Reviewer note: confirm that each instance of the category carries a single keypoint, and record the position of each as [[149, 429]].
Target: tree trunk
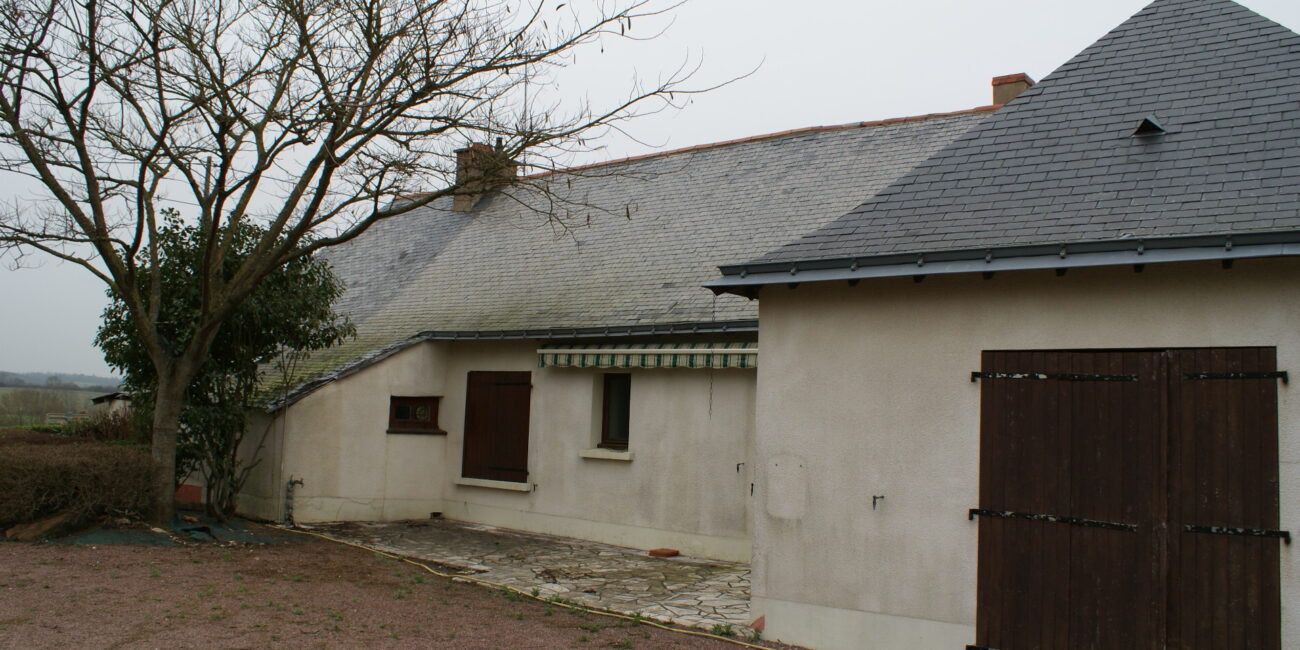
[[166, 424]]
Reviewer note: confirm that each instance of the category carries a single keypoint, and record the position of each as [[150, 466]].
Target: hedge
[[43, 477]]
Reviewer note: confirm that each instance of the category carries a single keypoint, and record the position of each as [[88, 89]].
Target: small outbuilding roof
[[1180, 124]]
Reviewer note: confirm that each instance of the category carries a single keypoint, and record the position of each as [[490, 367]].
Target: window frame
[[605, 441], [414, 401]]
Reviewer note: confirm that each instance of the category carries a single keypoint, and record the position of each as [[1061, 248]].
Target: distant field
[[79, 400], [83, 395]]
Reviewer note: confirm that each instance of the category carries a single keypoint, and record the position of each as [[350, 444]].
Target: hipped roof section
[[1060, 165], [638, 239]]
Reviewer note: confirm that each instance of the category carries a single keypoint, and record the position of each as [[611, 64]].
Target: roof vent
[[1149, 126]]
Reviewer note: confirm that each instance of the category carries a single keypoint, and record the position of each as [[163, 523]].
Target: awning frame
[[710, 355]]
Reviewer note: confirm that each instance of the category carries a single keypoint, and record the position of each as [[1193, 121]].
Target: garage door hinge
[[1059, 519], [1284, 535], [1045, 375], [1281, 374]]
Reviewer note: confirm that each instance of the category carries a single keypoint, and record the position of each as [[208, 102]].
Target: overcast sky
[[818, 62]]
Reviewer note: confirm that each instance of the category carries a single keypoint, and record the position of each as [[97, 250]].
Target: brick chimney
[[479, 168], [1008, 87]]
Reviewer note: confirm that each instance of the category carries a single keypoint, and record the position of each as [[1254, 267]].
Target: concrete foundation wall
[[686, 485], [865, 391]]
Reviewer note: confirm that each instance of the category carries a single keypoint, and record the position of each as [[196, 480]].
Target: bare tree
[[308, 116]]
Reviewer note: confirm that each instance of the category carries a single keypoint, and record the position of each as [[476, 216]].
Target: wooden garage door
[[1107, 480], [496, 426], [1223, 464]]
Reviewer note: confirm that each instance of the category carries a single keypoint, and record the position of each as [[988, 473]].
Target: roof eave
[[745, 279], [705, 327]]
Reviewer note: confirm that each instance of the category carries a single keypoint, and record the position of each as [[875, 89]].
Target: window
[[614, 419], [413, 415]]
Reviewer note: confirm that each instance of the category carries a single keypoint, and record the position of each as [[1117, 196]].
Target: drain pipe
[[288, 499]]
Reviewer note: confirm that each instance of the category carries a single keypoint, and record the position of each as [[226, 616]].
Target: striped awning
[[649, 355]]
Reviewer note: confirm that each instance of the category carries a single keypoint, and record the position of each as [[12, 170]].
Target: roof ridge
[[768, 136], [752, 138]]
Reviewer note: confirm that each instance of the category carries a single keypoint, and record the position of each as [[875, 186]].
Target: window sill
[[601, 453], [419, 432], [509, 486]]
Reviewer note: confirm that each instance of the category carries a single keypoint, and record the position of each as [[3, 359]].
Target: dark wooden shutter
[[1091, 465], [496, 426]]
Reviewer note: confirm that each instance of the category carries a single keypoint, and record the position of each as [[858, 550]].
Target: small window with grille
[[413, 415]]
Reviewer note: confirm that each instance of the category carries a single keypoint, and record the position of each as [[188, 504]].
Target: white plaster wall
[[686, 487], [262, 445], [335, 440], [688, 431], [865, 391]]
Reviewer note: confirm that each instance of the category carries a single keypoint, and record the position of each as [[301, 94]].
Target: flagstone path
[[681, 590]]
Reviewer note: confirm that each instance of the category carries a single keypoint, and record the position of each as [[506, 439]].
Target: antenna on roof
[[1149, 126]]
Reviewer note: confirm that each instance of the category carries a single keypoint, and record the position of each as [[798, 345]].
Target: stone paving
[[684, 591]]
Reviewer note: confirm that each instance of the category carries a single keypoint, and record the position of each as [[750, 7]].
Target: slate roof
[[640, 239], [1059, 165]]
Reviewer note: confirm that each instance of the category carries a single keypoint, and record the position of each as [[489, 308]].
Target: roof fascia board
[[1121, 252]]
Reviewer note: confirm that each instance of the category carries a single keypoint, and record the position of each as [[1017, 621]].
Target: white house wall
[[335, 441], [262, 444], [865, 391], [686, 487]]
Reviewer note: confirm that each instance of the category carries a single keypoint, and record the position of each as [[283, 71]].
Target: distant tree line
[[51, 382]]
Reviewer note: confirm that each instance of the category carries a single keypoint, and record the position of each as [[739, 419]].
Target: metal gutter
[[746, 279], [375, 356]]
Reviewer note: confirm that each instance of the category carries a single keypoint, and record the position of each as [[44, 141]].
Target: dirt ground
[[309, 593]]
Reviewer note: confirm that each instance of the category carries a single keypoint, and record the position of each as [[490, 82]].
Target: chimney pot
[[1008, 87]]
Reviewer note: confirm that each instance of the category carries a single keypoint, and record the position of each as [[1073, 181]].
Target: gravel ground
[[309, 593]]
